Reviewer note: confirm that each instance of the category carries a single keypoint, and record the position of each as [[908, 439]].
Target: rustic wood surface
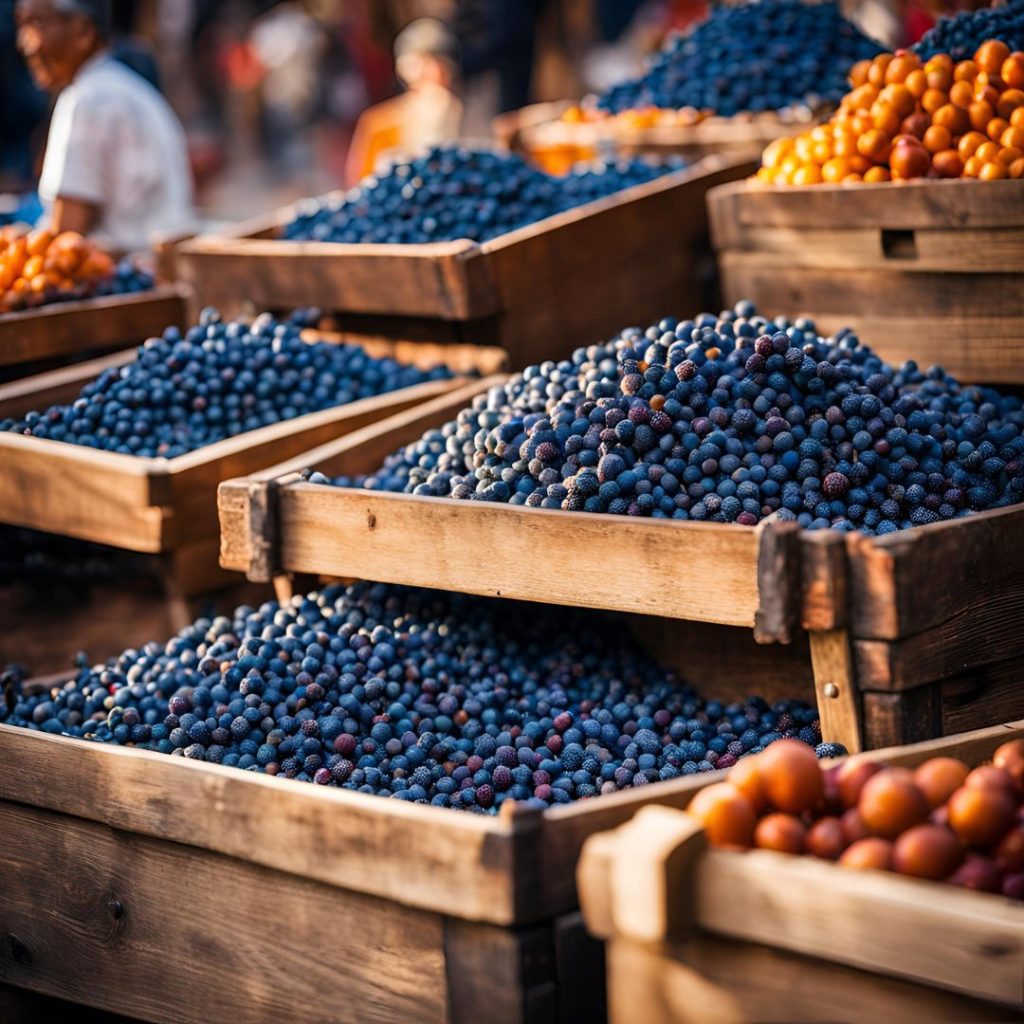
[[135, 925], [836, 687], [66, 329]]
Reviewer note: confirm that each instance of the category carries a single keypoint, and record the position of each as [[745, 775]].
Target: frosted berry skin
[[220, 379], [452, 193], [750, 58], [417, 695], [727, 419], [961, 35]]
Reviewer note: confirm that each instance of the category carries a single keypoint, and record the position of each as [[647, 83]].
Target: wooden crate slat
[[89, 325], [505, 551], [363, 842], [136, 925]]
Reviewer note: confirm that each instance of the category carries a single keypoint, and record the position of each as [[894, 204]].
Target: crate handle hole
[[898, 245]]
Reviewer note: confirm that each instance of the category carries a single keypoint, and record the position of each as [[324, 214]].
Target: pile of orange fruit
[[37, 267], [907, 118], [941, 821]]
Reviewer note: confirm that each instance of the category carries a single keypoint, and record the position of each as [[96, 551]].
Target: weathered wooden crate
[[178, 891], [35, 339], [168, 507], [912, 635], [538, 292], [928, 270], [695, 933]]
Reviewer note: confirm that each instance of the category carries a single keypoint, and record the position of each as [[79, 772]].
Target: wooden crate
[[695, 933], [32, 340], [911, 635], [538, 292], [927, 270], [167, 507], [174, 875]]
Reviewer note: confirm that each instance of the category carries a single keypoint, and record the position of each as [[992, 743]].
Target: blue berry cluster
[[728, 419], [127, 277], [418, 695], [452, 193], [961, 35], [752, 58], [218, 380]]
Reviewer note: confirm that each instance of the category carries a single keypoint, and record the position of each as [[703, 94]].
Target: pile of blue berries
[[218, 380], [728, 419], [961, 35], [127, 277], [418, 695], [452, 193], [753, 58]]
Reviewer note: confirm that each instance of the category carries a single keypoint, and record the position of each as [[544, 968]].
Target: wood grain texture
[[824, 587], [526, 553], [907, 717], [116, 904], [76, 329], [836, 686], [778, 582]]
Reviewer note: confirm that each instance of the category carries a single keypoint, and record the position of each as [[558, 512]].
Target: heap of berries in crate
[[941, 821]]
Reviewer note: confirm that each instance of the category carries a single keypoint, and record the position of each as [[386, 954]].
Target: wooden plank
[[359, 842], [823, 580], [778, 581], [895, 718], [118, 911], [581, 972], [983, 694], [898, 582], [932, 204], [20, 1006], [924, 931], [837, 688], [89, 326], [533, 554]]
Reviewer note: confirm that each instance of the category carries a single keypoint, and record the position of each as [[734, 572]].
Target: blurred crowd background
[[286, 99]]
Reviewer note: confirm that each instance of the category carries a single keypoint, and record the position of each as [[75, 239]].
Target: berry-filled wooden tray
[[928, 270], [451, 916], [912, 635], [573, 277], [31, 339], [168, 505], [758, 935]]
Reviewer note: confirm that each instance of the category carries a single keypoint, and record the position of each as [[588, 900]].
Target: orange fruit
[[885, 117], [991, 55], [981, 817], [727, 815], [927, 851], [916, 125], [933, 99], [866, 854], [859, 73], [980, 113], [1010, 851], [994, 171], [876, 73], [1010, 756], [996, 127], [874, 145], [851, 776], [900, 66], [745, 776], [987, 152], [1009, 102], [38, 242], [961, 94], [1017, 118], [972, 167], [1017, 169], [909, 161], [939, 778], [783, 832], [792, 777], [1012, 71], [988, 776], [33, 266], [916, 82], [954, 118], [938, 76], [808, 174], [852, 178], [1012, 138], [833, 171], [891, 802], [937, 138], [965, 71], [821, 152], [900, 98], [825, 839], [877, 174]]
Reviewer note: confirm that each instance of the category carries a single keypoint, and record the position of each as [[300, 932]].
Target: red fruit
[[853, 826], [868, 853], [1013, 886], [792, 777], [851, 776], [727, 815], [939, 778], [988, 776], [1010, 851], [782, 832], [890, 803], [927, 851], [826, 839], [830, 779], [980, 817], [977, 872]]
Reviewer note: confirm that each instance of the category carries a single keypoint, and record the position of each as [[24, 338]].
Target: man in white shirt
[[116, 164]]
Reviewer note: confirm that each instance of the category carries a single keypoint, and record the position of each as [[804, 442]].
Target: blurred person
[[23, 110], [427, 113], [116, 163]]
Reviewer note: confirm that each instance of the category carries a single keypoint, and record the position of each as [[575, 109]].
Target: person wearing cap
[[116, 164], [427, 113]]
